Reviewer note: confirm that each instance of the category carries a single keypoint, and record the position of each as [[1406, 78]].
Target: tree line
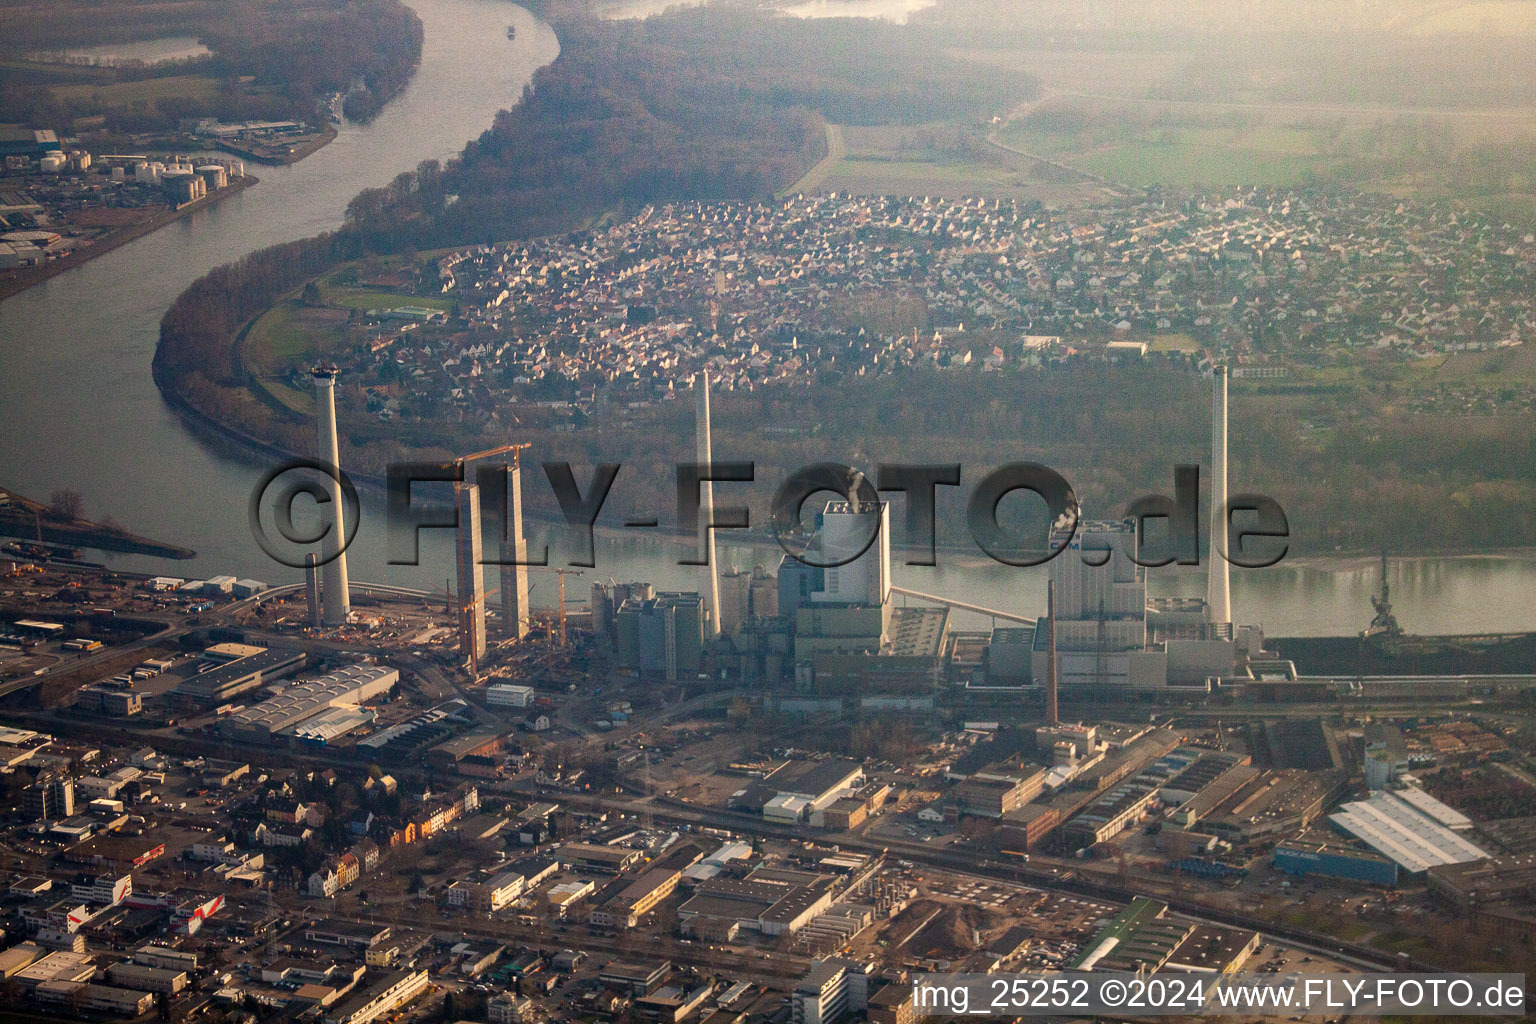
[[272, 60]]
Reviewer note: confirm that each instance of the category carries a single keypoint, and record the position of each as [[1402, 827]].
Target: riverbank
[[26, 519], [21, 280], [240, 443], [272, 156]]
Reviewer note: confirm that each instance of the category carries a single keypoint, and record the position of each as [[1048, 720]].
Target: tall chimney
[[707, 506], [1218, 596], [1052, 713], [334, 589]]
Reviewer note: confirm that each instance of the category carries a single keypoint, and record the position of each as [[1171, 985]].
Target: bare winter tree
[[66, 503]]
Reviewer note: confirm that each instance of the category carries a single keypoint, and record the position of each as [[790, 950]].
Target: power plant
[[1102, 631], [334, 588]]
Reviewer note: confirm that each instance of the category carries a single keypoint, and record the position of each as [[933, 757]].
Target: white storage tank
[[53, 163], [213, 176]]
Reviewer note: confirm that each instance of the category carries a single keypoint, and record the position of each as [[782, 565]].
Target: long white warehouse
[[355, 684], [1406, 830]]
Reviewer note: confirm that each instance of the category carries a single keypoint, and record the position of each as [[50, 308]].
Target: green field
[[148, 92], [1186, 163], [364, 299], [276, 337]]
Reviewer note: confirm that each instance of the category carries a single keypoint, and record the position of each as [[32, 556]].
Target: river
[[78, 408]]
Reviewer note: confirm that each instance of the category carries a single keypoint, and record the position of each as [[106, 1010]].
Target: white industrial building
[[509, 695], [331, 724], [353, 685], [1410, 827], [845, 532]]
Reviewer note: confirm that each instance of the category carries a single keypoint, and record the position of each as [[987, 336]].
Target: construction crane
[[460, 614], [563, 573], [502, 449]]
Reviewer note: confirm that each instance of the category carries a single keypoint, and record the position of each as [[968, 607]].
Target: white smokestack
[[707, 505], [334, 586], [1219, 589]]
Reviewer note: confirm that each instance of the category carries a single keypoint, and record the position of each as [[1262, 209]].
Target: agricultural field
[[145, 93], [942, 160], [363, 299]]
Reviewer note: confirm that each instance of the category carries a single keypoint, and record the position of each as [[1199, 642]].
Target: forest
[[269, 60], [728, 105]]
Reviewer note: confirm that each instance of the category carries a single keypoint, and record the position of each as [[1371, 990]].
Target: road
[[813, 179], [1022, 112]]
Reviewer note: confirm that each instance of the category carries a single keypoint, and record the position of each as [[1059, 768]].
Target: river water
[[78, 408]]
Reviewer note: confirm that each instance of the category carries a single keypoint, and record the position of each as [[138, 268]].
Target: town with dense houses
[[759, 294]]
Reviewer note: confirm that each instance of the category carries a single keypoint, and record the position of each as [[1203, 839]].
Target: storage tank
[[52, 163], [213, 176]]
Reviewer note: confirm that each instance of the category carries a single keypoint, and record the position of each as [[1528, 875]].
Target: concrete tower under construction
[[514, 549], [707, 506], [312, 589], [1218, 598], [334, 586], [471, 574]]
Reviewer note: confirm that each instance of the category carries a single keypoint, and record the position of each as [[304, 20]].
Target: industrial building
[[774, 902], [1411, 833], [509, 695], [990, 795], [28, 142], [662, 636], [250, 669], [329, 725], [857, 534], [1318, 852], [351, 686], [862, 649], [1273, 805], [815, 783], [1496, 894], [1145, 937]]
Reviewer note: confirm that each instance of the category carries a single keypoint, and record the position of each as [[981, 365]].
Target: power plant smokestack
[[1052, 713], [707, 505], [334, 588], [1218, 598]]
